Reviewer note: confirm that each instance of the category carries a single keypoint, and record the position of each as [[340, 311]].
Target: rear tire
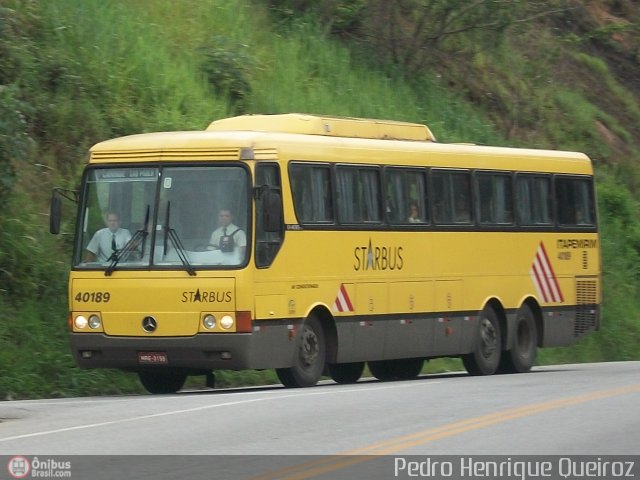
[[383, 370], [485, 358], [162, 381], [523, 352], [309, 358], [346, 372], [400, 369]]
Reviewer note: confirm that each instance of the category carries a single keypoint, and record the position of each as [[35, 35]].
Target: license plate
[[153, 358]]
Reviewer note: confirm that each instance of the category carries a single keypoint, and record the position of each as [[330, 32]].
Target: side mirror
[[55, 209], [55, 213]]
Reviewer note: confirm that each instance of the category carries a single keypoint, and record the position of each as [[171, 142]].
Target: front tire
[[524, 350], [309, 357], [485, 357], [162, 381]]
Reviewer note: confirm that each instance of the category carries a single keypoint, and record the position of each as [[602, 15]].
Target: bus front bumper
[[199, 352]]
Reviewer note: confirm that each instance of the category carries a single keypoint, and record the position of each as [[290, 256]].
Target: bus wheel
[[485, 358], [400, 369], [162, 381], [408, 368], [309, 358], [383, 370], [523, 352], [346, 372]]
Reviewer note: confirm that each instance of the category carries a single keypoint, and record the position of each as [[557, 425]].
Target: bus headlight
[[226, 322], [209, 322], [80, 322], [94, 321]]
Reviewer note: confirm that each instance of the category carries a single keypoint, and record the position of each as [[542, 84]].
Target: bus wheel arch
[[328, 324], [310, 353], [342, 373], [501, 314], [539, 322], [484, 359]]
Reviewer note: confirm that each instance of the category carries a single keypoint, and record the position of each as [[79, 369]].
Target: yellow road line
[[336, 462]]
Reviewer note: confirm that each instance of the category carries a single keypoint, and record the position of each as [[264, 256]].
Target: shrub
[[228, 66]]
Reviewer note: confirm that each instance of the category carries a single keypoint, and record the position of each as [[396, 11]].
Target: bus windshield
[[180, 217]]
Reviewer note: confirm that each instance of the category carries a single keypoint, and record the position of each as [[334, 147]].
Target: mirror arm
[[67, 193]]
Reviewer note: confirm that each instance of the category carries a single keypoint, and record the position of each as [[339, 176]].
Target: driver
[[108, 241]]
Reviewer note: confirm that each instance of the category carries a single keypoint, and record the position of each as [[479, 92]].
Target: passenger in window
[[439, 211], [581, 218], [228, 238], [108, 241], [414, 213]]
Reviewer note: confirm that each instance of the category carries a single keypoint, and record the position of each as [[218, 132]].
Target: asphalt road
[[585, 409]]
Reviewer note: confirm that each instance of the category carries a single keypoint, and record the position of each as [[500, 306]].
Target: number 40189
[[96, 297]]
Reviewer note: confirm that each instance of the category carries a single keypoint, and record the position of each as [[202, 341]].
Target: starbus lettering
[[378, 258], [215, 296]]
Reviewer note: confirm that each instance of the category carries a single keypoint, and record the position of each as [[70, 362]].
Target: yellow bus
[[314, 245]]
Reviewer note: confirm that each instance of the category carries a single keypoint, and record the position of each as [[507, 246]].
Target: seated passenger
[[414, 213]]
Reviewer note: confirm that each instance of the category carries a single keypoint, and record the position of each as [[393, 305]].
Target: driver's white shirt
[[101, 243]]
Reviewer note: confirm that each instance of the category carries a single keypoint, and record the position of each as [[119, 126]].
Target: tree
[[415, 33]]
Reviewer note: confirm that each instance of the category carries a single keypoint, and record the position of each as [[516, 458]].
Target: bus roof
[[301, 137], [326, 126]]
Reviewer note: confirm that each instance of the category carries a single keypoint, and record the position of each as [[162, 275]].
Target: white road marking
[[396, 385]]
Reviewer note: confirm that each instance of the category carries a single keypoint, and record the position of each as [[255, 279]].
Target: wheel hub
[[309, 348], [488, 336]]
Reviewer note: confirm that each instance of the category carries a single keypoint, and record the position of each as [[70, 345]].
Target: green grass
[[135, 79]]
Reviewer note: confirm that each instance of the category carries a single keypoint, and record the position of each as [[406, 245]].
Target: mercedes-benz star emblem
[[149, 324]]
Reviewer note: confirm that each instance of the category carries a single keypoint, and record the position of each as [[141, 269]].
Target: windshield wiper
[[170, 234], [130, 246]]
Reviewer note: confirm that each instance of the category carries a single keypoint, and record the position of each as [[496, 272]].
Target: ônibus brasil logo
[[19, 467]]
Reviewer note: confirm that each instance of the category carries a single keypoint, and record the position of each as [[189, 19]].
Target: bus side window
[[406, 196], [574, 197], [494, 203], [359, 194], [451, 197], [533, 199], [311, 188], [268, 241]]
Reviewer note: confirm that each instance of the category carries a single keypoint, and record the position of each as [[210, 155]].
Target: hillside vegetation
[[548, 74]]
